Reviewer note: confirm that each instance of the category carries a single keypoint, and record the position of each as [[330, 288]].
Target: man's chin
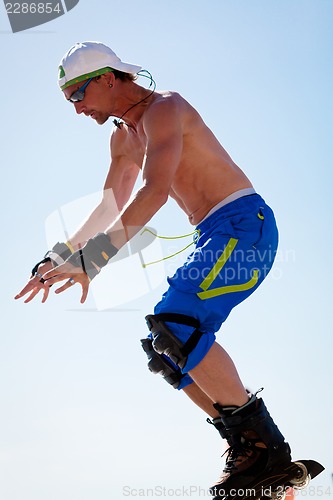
[[99, 119]]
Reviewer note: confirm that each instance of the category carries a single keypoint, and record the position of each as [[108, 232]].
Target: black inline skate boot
[[255, 445], [219, 426]]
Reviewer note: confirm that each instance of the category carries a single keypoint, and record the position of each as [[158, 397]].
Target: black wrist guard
[[96, 252], [59, 253]]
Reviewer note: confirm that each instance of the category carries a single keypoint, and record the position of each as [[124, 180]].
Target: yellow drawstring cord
[[195, 239]]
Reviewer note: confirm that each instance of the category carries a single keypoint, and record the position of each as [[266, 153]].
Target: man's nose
[[79, 107]]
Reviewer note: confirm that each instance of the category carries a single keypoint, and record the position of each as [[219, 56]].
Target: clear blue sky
[[81, 417]]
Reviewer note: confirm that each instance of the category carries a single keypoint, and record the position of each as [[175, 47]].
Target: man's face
[[89, 98]]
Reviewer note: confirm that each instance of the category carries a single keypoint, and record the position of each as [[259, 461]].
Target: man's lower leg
[[201, 399], [217, 376]]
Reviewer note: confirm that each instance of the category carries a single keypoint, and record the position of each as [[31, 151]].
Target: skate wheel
[[302, 479]]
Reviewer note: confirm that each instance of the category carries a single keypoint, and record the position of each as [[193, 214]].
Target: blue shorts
[[234, 251]]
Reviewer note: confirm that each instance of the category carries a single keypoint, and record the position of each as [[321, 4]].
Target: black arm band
[[96, 252]]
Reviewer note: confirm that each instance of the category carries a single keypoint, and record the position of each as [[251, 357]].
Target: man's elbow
[[159, 198], [158, 195], [163, 195]]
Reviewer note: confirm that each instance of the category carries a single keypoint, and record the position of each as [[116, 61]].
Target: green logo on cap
[[61, 72]]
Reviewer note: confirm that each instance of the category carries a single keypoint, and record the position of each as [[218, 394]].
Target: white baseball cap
[[88, 59]]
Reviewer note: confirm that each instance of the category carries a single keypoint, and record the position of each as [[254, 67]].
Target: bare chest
[[135, 146]]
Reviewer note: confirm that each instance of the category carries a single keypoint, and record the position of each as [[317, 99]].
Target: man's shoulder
[[165, 103], [164, 98], [170, 107]]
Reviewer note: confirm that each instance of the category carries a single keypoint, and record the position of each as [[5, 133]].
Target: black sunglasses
[[78, 95]]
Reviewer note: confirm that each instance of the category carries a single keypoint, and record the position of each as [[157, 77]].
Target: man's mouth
[[90, 114]]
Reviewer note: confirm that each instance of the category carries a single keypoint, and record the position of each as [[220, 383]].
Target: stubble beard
[[100, 120]]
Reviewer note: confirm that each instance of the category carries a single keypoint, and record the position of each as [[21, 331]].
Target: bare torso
[[206, 174]]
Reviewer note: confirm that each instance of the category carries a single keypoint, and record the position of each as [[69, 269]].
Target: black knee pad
[[165, 342], [159, 364]]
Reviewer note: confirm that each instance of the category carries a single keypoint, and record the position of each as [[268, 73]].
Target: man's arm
[[117, 190], [163, 129]]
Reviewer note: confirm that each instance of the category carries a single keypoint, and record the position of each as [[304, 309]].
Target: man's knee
[[167, 355], [158, 364]]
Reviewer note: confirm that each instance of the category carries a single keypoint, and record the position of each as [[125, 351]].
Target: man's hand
[[80, 267], [72, 274], [36, 283]]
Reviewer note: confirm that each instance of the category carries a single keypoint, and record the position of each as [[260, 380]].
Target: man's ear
[[109, 78]]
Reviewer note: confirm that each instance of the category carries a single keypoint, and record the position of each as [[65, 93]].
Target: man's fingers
[[45, 294], [64, 287], [33, 287], [24, 290], [51, 274], [69, 284], [70, 273], [84, 293], [65, 270], [56, 279], [30, 286], [32, 295]]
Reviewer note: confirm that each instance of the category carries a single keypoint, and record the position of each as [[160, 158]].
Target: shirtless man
[[162, 135]]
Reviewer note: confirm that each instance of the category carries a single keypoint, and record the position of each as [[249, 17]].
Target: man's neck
[[135, 104]]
